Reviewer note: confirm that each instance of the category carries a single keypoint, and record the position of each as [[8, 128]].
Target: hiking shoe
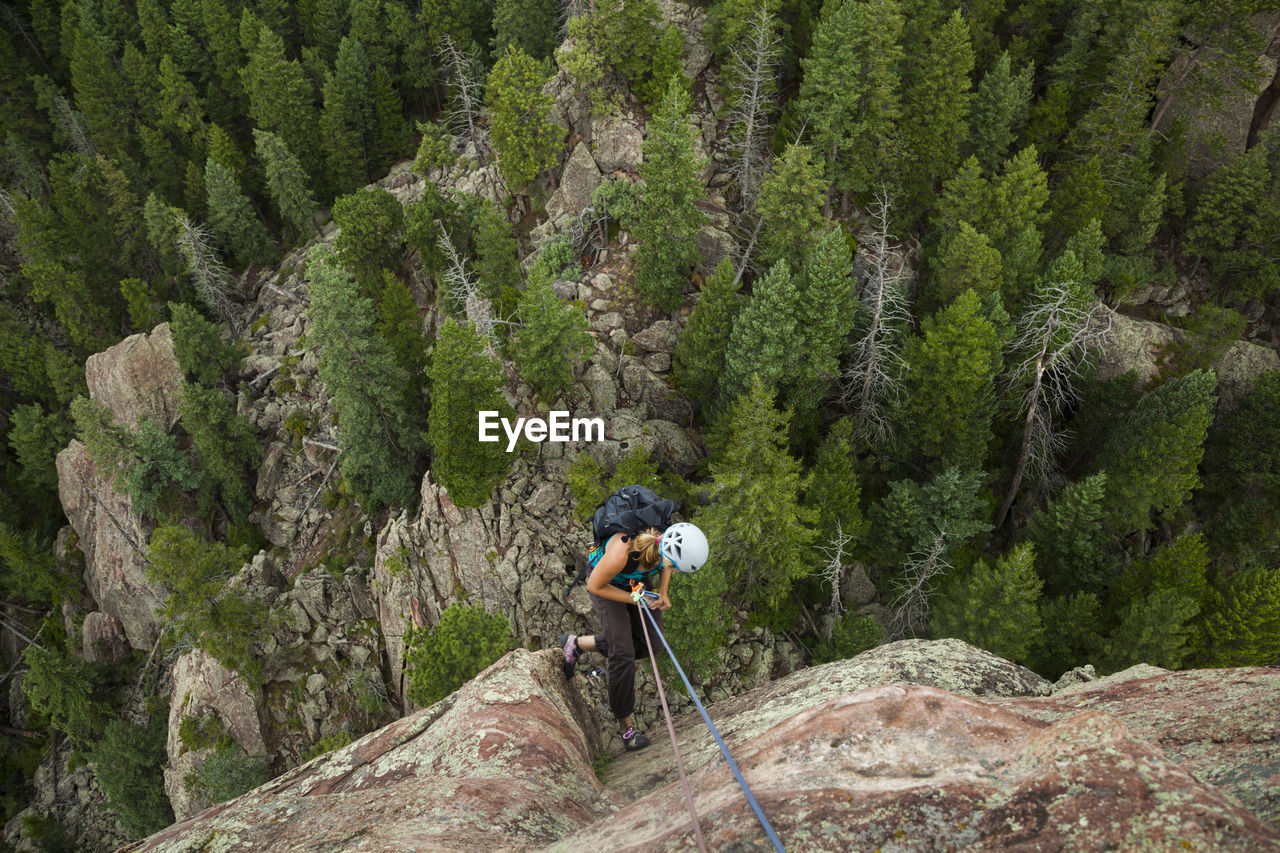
[[569, 643], [632, 740]]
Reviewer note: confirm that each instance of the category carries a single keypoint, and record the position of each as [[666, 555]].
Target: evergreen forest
[[938, 217]]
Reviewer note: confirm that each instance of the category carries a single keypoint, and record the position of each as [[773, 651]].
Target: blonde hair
[[645, 546]]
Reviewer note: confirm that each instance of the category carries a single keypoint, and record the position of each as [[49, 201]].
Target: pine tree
[[667, 219], [102, 97], [699, 358], [347, 118], [497, 262], [792, 197], [1240, 502], [198, 345], [222, 37], [1072, 634], [231, 216], [762, 347], [465, 381], [1018, 196], [1241, 623], [825, 313], [850, 93], [1235, 224], [965, 260], [281, 100], [935, 110], [623, 44], [755, 477], [994, 608], [202, 610], [833, 491], [159, 468], [287, 184], [1155, 629], [37, 437], [948, 508], [966, 197], [999, 112], [1151, 462], [553, 339], [1116, 128], [380, 439], [372, 235], [1181, 565], [950, 385], [399, 325], [523, 135], [1069, 539], [226, 443], [530, 26]]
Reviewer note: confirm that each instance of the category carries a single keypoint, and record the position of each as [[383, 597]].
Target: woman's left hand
[[660, 603]]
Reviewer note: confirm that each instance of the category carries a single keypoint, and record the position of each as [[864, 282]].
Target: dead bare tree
[[909, 606], [465, 290], [464, 116], [834, 554], [1047, 352], [213, 281], [873, 381], [752, 76]]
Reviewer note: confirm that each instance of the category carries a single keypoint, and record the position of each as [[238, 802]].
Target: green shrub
[[161, 466], [227, 773], [202, 610], [851, 635], [63, 689], [327, 744], [442, 659], [128, 763], [198, 345], [435, 151]]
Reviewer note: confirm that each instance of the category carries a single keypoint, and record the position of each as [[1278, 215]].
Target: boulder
[[1239, 367], [204, 689], [662, 336], [714, 245], [138, 377], [504, 763], [111, 538], [1220, 725], [103, 638], [1135, 344], [578, 181], [618, 144], [905, 767], [1216, 128]]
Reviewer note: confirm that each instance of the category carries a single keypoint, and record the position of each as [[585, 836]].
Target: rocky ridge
[[913, 746]]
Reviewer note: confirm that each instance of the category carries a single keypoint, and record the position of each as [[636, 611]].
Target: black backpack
[[631, 509]]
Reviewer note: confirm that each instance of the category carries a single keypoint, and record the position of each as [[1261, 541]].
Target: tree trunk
[[1028, 425]]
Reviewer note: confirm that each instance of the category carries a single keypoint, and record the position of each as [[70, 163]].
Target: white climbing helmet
[[685, 546]]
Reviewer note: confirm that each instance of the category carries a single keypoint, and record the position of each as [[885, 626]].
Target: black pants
[[622, 642]]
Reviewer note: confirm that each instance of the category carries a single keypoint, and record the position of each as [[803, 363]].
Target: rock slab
[[504, 763]]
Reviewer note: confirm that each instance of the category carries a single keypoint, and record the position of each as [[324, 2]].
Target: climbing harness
[[639, 595]]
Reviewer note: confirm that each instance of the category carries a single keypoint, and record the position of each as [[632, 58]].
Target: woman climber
[[623, 558]]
